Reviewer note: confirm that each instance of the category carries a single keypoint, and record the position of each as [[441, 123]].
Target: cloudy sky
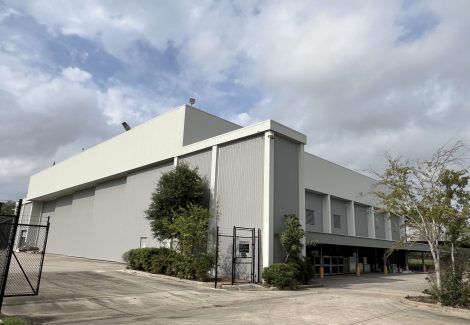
[[358, 77]]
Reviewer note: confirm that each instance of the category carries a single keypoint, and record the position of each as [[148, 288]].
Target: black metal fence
[[8, 226], [238, 252], [27, 260], [22, 250]]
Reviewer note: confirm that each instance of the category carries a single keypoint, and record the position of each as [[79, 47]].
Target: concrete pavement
[[80, 291]]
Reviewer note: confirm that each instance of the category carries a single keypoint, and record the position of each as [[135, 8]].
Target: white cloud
[[338, 71], [75, 74]]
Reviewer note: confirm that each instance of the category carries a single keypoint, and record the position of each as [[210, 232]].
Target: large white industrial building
[[257, 174]]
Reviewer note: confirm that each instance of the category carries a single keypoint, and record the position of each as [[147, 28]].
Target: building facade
[[257, 174]]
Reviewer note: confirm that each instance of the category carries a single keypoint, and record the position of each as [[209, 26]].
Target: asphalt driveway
[[80, 291]]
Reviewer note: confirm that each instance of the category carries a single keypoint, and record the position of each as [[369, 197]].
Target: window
[[310, 217], [337, 221]]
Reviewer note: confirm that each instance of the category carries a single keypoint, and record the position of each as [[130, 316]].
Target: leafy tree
[[457, 202], [291, 237], [192, 230], [176, 191], [7, 207], [431, 195]]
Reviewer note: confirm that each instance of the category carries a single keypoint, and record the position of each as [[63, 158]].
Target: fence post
[[10, 251], [259, 252], [253, 245], [43, 254], [216, 255], [234, 241]]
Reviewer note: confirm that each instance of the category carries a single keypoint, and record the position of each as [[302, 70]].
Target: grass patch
[[12, 320]]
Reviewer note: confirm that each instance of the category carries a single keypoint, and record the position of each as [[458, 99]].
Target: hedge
[[163, 260]]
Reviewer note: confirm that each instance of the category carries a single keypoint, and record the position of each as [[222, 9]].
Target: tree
[[457, 203], [7, 207], [176, 191], [291, 237], [430, 194], [192, 230]]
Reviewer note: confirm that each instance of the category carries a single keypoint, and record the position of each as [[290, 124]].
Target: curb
[[300, 287], [437, 308]]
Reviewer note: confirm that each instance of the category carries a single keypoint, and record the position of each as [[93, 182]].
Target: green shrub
[[141, 258], [304, 270], [455, 288], [202, 265], [280, 275], [163, 262], [166, 261], [455, 291]]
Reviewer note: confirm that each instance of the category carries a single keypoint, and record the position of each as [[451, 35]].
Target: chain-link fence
[[7, 237], [238, 255], [27, 259]]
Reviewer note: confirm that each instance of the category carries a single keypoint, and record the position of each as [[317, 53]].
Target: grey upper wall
[[201, 160], [239, 190], [338, 208], [326, 177], [360, 214], [314, 202], [199, 125], [286, 187]]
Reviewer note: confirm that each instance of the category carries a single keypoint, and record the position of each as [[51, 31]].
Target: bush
[[202, 264], [163, 262], [304, 270], [280, 275], [140, 258], [455, 290], [166, 261]]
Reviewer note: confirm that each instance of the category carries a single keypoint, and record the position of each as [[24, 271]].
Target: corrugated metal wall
[[315, 202], [338, 207], [395, 227], [379, 219], [139, 188], [286, 187], [106, 221], [201, 160], [240, 184], [360, 213]]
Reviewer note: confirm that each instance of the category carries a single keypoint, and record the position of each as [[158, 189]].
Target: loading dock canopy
[[334, 239]]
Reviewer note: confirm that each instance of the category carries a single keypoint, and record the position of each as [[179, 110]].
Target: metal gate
[[24, 275], [8, 224], [238, 255], [23, 247]]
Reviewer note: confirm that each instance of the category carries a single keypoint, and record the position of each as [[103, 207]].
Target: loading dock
[[331, 259]]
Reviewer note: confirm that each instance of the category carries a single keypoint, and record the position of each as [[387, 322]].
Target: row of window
[[310, 218]]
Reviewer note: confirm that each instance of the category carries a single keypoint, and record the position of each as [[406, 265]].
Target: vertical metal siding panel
[[240, 184], [108, 214], [139, 188], [379, 225], [81, 220], [48, 209], [395, 227], [202, 161], [339, 208], [59, 234], [286, 187], [314, 202], [360, 212]]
